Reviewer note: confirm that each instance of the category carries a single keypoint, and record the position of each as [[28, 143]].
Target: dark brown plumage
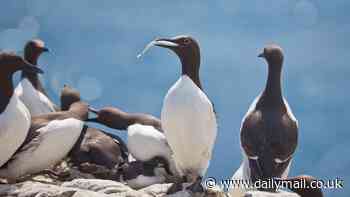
[[9, 64], [118, 119], [188, 51], [94, 145], [269, 133], [32, 51]]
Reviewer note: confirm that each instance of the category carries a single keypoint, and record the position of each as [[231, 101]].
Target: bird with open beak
[[188, 118]]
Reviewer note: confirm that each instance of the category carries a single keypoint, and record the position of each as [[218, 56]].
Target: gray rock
[[90, 188], [36, 189], [269, 194], [98, 185]]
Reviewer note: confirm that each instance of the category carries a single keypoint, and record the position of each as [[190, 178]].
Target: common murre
[[51, 136], [146, 143], [269, 130], [14, 116], [30, 89], [188, 117], [94, 146]]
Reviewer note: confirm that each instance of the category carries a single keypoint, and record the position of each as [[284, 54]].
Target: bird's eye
[[186, 41]]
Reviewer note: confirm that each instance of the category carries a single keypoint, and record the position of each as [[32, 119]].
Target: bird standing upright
[[188, 117], [30, 90], [269, 131]]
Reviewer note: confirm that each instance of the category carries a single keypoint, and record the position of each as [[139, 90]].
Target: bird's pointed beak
[[161, 42], [165, 42], [31, 68], [95, 120], [93, 110], [45, 49], [262, 55]]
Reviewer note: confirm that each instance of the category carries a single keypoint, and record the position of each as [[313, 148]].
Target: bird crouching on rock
[[50, 138]]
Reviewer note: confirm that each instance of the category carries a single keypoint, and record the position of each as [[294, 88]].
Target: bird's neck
[[190, 67], [78, 113], [126, 120], [272, 94], [120, 120], [33, 77], [6, 91]]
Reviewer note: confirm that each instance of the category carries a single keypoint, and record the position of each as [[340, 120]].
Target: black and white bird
[[14, 116], [146, 143], [188, 117], [269, 131], [51, 137], [94, 147], [30, 89]]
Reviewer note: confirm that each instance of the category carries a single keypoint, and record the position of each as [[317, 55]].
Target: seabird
[[304, 185], [94, 146], [30, 90], [14, 116], [188, 117], [269, 130], [50, 138], [145, 138]]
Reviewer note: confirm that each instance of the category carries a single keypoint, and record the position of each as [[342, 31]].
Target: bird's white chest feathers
[[51, 146], [243, 174], [145, 142], [14, 126], [36, 102], [189, 123]]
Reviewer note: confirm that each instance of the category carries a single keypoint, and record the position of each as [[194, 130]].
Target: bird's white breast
[[53, 143], [145, 142], [189, 123], [36, 102], [241, 175], [14, 126]]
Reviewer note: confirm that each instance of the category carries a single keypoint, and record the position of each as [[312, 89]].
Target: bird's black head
[[273, 54], [10, 63], [187, 49], [68, 96], [33, 49]]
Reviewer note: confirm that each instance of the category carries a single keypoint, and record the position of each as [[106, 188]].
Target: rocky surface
[[105, 188], [88, 188], [267, 194], [78, 184]]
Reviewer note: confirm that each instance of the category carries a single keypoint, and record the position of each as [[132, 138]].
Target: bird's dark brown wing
[[252, 139], [289, 137], [269, 140], [96, 147]]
